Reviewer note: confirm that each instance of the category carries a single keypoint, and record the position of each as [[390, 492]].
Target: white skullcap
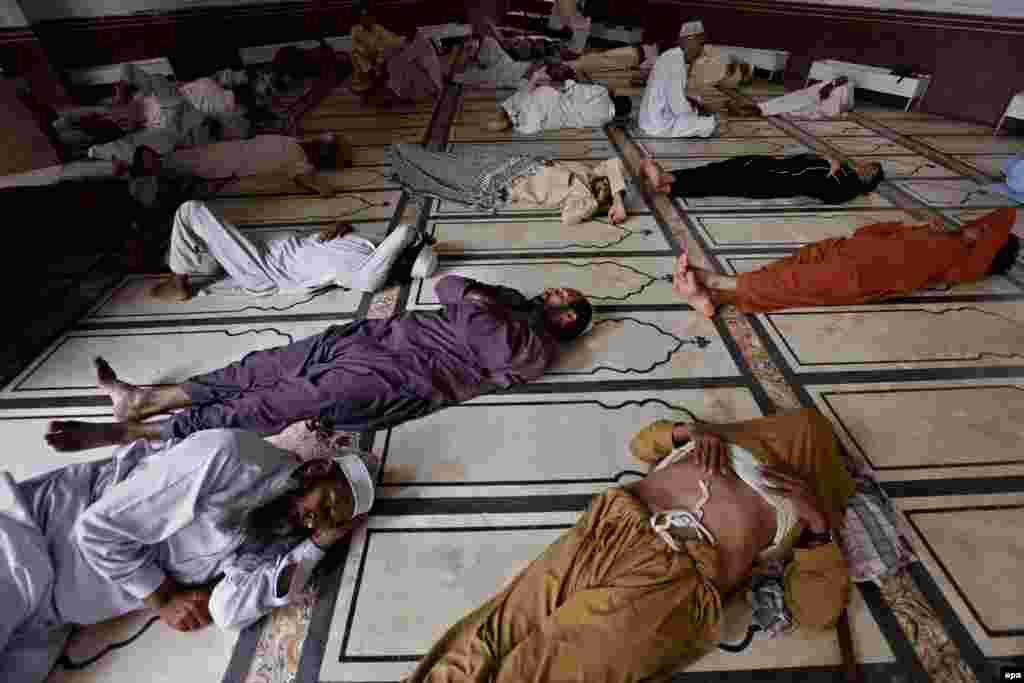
[[691, 28], [359, 480]]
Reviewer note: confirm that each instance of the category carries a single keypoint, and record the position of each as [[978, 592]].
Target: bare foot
[[72, 435], [175, 289], [686, 284], [127, 398]]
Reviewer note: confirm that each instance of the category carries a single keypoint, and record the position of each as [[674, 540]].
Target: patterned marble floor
[[927, 389]]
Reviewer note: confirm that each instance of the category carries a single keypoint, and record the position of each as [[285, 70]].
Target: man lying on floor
[[267, 155], [533, 109], [362, 376], [824, 100], [166, 115], [767, 177], [218, 526], [487, 179], [204, 244], [665, 110], [636, 589], [879, 260]]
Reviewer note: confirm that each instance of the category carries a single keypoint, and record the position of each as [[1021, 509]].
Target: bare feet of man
[[686, 284], [176, 289], [72, 435], [127, 398]]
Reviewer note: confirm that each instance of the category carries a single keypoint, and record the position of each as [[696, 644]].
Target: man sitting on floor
[[568, 105], [879, 260], [219, 526], [363, 376], [766, 177], [202, 243], [637, 588], [389, 64], [665, 110]]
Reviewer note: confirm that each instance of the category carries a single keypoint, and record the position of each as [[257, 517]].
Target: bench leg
[[999, 125]]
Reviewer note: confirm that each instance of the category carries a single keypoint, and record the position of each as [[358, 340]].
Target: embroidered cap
[[360, 481], [691, 28]]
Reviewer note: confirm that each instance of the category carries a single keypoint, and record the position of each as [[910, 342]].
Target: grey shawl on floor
[[476, 178]]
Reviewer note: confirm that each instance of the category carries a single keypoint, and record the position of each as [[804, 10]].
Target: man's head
[[691, 40], [601, 188], [870, 174], [567, 312], [623, 105], [324, 152], [331, 492], [145, 162]]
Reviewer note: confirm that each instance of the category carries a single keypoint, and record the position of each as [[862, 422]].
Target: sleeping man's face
[[602, 190]]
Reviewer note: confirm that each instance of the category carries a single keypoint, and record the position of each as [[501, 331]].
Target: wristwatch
[[809, 539]]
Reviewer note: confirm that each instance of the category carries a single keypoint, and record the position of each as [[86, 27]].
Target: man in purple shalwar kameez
[[363, 376]]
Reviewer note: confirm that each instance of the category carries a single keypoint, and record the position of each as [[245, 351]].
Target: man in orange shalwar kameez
[[879, 260]]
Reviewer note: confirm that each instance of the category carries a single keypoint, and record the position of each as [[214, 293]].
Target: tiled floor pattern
[[926, 389]]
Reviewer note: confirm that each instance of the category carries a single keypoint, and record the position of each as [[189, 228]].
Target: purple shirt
[[473, 341]]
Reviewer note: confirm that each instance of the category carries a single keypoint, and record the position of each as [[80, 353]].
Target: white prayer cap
[[359, 480], [691, 28]]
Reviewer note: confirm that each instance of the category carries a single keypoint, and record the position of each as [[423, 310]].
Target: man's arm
[[118, 533]]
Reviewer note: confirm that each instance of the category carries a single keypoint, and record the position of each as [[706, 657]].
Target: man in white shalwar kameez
[[157, 526], [568, 105], [204, 244], [665, 111]]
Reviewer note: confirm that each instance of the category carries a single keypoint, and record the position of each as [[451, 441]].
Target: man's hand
[[833, 167], [334, 231], [327, 537], [710, 452], [803, 498], [617, 214], [187, 610]]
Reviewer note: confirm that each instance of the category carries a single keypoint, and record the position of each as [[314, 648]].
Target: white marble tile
[[871, 200], [540, 444], [517, 235], [719, 147], [786, 230], [567, 149], [131, 302], [959, 193], [159, 655], [953, 426], [148, 356], [620, 281], [900, 336], [971, 547], [868, 145], [634, 203], [975, 144]]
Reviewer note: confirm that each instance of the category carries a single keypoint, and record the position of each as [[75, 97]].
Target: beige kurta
[[261, 155], [565, 185]]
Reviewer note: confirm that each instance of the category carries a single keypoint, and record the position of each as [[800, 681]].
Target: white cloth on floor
[[573, 105], [665, 111], [202, 243], [807, 103], [494, 67]]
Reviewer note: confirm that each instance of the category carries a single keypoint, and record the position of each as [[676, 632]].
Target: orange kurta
[[879, 260]]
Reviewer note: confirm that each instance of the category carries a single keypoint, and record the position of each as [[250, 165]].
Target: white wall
[[11, 15]]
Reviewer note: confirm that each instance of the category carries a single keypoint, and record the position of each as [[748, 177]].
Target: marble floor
[[928, 390]]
